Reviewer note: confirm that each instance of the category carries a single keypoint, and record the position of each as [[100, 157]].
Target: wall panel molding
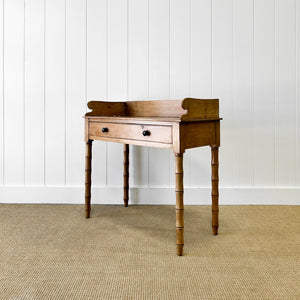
[[149, 196]]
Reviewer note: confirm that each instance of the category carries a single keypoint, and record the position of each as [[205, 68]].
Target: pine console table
[[171, 124]]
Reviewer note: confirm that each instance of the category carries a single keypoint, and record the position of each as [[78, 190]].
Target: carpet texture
[[53, 252]]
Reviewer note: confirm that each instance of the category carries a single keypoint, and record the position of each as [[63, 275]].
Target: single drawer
[[142, 132]]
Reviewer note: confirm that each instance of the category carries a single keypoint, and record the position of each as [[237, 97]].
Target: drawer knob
[[104, 129], [146, 133]]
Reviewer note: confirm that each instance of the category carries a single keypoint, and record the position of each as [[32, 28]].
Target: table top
[[129, 119]]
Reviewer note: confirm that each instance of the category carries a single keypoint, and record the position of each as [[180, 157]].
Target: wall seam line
[[233, 93], [45, 24], [169, 78], [127, 50], [65, 96], [24, 115], [296, 94], [275, 95], [106, 83], [190, 74], [86, 54], [148, 48], [211, 48], [169, 49], [253, 95], [3, 104]]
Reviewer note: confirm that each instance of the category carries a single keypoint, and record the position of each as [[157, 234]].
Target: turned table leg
[[215, 188], [179, 202], [126, 174], [88, 172]]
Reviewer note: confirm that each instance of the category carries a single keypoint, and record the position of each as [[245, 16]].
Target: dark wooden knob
[[104, 129], [146, 133]]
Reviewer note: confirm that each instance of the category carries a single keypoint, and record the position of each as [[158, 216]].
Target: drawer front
[[151, 133]]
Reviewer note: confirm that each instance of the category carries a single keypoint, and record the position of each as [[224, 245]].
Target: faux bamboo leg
[[179, 202], [126, 174], [215, 188], [88, 172]]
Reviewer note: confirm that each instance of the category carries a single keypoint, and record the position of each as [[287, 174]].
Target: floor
[[53, 252]]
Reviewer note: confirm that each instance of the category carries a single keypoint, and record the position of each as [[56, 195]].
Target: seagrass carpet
[[53, 252]]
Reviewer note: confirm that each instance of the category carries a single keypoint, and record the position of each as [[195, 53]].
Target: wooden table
[[171, 124]]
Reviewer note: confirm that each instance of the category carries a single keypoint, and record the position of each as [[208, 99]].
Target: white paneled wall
[[55, 55]]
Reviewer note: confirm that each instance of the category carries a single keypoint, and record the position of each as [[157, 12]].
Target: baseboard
[[148, 196]]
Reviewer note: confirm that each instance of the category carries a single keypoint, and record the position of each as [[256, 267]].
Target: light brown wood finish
[[200, 108], [196, 134], [133, 142], [179, 202], [145, 120], [172, 124], [161, 108], [187, 109], [126, 175], [215, 188], [106, 108], [160, 134], [88, 172]]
